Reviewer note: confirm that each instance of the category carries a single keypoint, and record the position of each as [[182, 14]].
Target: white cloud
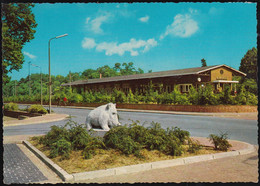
[[95, 24], [29, 55], [87, 20], [88, 43], [133, 46], [215, 11], [193, 11], [182, 26], [144, 19]]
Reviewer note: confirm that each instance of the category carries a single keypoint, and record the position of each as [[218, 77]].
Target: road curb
[[134, 168], [58, 170], [29, 122]]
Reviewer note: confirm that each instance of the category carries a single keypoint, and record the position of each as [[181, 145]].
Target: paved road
[[237, 129]]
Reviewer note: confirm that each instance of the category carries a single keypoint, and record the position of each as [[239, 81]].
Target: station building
[[217, 75]]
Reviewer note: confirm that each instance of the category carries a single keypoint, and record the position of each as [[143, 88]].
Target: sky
[[154, 36]]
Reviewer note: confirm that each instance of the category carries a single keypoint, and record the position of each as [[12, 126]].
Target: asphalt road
[[201, 126]]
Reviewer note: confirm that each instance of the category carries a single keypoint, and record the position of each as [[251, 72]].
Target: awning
[[225, 81]]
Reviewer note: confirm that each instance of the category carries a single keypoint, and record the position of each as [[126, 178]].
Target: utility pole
[[15, 88], [29, 78], [70, 81]]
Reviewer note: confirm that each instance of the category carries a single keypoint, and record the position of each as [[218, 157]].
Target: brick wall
[[191, 108]]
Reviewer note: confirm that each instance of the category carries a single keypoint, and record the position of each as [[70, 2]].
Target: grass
[[6, 118], [111, 158]]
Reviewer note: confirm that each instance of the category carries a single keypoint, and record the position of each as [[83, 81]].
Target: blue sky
[[155, 36]]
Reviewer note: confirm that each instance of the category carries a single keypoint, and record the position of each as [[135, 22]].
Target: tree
[[129, 69], [203, 62], [18, 26], [117, 67], [106, 71], [248, 64]]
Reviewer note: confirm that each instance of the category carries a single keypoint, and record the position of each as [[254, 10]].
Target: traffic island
[[36, 120], [238, 148]]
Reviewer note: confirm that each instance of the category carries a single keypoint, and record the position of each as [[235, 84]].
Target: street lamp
[[41, 79], [199, 80], [49, 51]]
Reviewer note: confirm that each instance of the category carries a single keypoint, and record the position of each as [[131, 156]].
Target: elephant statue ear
[[108, 106]]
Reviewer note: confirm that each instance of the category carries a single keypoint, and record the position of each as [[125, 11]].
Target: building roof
[[180, 72]]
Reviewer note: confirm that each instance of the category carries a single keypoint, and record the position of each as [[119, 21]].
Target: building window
[[221, 72], [185, 87]]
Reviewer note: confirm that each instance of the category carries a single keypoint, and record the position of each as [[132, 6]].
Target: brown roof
[[180, 72]]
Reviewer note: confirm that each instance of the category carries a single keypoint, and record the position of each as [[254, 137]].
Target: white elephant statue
[[103, 117]]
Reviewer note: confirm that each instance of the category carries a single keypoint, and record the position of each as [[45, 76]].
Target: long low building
[[217, 75]]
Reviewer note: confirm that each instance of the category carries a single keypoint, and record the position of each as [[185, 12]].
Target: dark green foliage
[[37, 109], [71, 136], [61, 148], [119, 96], [131, 139], [90, 147], [248, 63], [78, 135], [18, 28], [225, 96], [220, 141], [54, 135], [203, 62], [182, 135]]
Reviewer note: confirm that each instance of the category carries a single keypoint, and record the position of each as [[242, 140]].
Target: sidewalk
[[34, 120], [242, 168]]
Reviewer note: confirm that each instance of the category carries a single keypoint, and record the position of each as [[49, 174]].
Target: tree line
[[31, 85]]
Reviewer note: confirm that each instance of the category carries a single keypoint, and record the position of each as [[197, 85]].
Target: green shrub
[[56, 133], [193, 96], [76, 98], [208, 97], [118, 138], [129, 140], [251, 99], [88, 97], [61, 148], [77, 135], [131, 97], [181, 135], [226, 97], [11, 106], [220, 141], [37, 109], [90, 148], [193, 146], [119, 96], [137, 132]]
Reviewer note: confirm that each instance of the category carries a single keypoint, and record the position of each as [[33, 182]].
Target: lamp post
[[41, 79], [199, 80], [29, 63], [49, 52]]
